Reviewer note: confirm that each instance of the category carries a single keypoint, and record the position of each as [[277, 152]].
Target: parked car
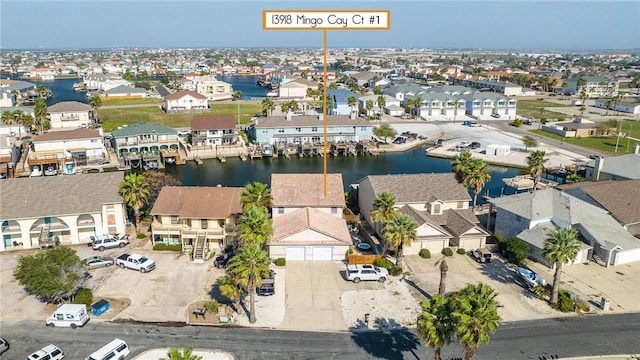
[[439, 142], [495, 115], [136, 262], [527, 122], [482, 255], [268, 286], [400, 140], [595, 156], [356, 273], [184, 132], [49, 352], [221, 261], [109, 241], [474, 145], [4, 345], [96, 262], [470, 123]]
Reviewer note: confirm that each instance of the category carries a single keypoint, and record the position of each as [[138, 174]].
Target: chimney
[[353, 115], [321, 117], [598, 167], [288, 115]]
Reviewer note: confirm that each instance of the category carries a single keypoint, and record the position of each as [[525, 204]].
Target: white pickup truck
[[136, 262]]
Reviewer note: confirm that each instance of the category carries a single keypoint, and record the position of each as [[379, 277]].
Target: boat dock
[[525, 182]]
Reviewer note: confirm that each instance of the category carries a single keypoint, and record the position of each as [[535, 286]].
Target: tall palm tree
[[399, 231], [247, 269], [478, 175], [383, 207], [369, 106], [535, 163], [21, 118], [560, 247], [461, 164], [186, 354], [254, 227], [416, 103], [444, 268], [231, 290], [435, 324], [237, 95], [268, 105], [40, 114], [8, 118], [476, 316], [95, 101], [135, 193], [381, 104], [352, 102], [41, 90], [256, 194]]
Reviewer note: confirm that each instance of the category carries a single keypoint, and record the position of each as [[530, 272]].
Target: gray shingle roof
[[122, 89], [413, 188], [143, 128], [308, 120], [68, 106], [58, 195], [341, 96]]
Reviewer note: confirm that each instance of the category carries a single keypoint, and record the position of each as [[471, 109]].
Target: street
[[581, 336]]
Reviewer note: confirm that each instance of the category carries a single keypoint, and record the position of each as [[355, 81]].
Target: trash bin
[[100, 307], [604, 304]]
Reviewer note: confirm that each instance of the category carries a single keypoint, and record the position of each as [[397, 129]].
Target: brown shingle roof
[[180, 94], [620, 198], [414, 188], [198, 202], [75, 134], [211, 122], [299, 190], [309, 218]]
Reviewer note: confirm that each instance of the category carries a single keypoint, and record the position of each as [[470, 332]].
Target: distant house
[[104, 82], [482, 105], [142, 141], [185, 101], [627, 107], [70, 114], [340, 101], [8, 86], [296, 89], [78, 147], [594, 86], [213, 89], [307, 224], [389, 103], [199, 218], [363, 78], [578, 127], [624, 167], [123, 91], [213, 130], [501, 87], [438, 203]]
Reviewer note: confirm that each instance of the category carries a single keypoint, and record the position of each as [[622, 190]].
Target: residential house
[[70, 114], [340, 101], [533, 216], [142, 142], [65, 150], [594, 87], [201, 219], [627, 107], [481, 105], [308, 223], [70, 209], [308, 128], [213, 89], [43, 73], [399, 92], [104, 82], [24, 91], [389, 103], [436, 106], [185, 101], [501, 87], [213, 130], [296, 89], [125, 92], [623, 167], [577, 127], [439, 203], [364, 78]]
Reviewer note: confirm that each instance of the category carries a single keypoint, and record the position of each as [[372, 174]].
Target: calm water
[[247, 84], [238, 173]]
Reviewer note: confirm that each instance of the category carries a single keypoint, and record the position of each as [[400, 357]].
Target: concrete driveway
[[313, 296]]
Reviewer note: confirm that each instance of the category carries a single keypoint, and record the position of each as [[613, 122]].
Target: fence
[[362, 259]]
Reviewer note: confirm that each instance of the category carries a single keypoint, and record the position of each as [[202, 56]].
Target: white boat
[[50, 171], [272, 94], [69, 168], [531, 278], [267, 151], [170, 160], [35, 171]]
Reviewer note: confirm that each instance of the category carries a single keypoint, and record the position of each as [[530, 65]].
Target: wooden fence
[[362, 259]]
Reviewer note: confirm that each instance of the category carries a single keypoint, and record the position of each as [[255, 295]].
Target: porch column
[[25, 227]]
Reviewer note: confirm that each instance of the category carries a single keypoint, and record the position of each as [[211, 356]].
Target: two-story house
[[340, 101], [307, 222], [296, 89], [439, 203], [63, 151], [481, 105], [141, 143], [185, 101], [593, 86], [392, 106], [308, 128], [213, 130], [70, 114], [69, 209], [201, 219], [623, 167], [213, 88]]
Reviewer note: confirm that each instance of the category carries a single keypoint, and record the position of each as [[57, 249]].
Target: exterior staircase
[[43, 238], [198, 253]]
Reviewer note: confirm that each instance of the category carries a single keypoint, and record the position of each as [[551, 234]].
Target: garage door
[[322, 253], [294, 253]]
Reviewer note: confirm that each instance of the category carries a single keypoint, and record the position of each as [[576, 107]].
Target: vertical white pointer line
[[324, 109]]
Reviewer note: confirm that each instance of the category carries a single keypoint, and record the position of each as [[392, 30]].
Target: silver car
[[95, 262], [4, 345]]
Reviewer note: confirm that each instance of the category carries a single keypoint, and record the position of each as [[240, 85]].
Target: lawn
[[606, 145], [531, 109], [113, 118], [115, 102]]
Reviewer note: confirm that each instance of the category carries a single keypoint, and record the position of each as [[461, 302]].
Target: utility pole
[[618, 138]]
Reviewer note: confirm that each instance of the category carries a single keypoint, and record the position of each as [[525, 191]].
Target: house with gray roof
[[363, 78], [70, 114], [142, 140], [340, 101], [8, 86], [391, 105], [623, 167], [123, 91], [439, 203], [69, 209], [533, 216], [594, 86]]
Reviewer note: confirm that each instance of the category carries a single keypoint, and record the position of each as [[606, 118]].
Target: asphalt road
[[540, 339]]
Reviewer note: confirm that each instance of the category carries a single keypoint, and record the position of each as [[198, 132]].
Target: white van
[[115, 350], [69, 315]]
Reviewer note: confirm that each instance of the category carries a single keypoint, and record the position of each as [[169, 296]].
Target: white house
[[213, 89], [78, 146], [213, 130], [123, 91], [628, 107], [185, 101], [296, 89], [70, 114]]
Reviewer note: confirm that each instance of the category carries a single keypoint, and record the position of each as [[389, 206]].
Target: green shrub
[[83, 296], [395, 271], [516, 123], [564, 304], [447, 252], [167, 247], [392, 252], [280, 262], [461, 251], [542, 292], [425, 254], [383, 263], [582, 306], [211, 306], [517, 250], [140, 236], [553, 94], [561, 118], [350, 249]]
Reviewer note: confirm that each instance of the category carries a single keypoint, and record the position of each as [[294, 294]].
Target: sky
[[500, 24]]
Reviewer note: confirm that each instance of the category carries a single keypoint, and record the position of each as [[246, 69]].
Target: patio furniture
[[200, 312]]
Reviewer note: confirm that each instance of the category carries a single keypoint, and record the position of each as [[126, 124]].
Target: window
[[460, 204], [436, 209], [213, 132], [174, 220], [299, 129], [334, 210], [280, 130], [314, 129], [188, 222], [203, 224], [220, 89], [281, 210]]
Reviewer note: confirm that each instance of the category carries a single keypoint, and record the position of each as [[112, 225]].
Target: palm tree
[[476, 316], [560, 247], [381, 104], [254, 227], [231, 290], [186, 354], [383, 207], [8, 119], [237, 95], [444, 268], [95, 101], [20, 118], [435, 324], [248, 268], [400, 230], [352, 102], [135, 193], [268, 105], [40, 114], [256, 194], [369, 106], [414, 104], [461, 164], [478, 175], [535, 162]]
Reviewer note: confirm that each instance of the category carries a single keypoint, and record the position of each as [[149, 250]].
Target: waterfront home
[[104, 82], [43, 73], [69, 209], [213, 89], [439, 106], [340, 101], [201, 219], [308, 128], [70, 114], [594, 86], [296, 89], [623, 167], [391, 105], [213, 130], [307, 223], [439, 203], [63, 151], [185, 101], [24, 91], [142, 142], [125, 92], [533, 216]]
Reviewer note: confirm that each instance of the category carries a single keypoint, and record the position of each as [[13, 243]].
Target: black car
[[528, 122], [268, 286], [400, 140], [222, 260], [474, 145]]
